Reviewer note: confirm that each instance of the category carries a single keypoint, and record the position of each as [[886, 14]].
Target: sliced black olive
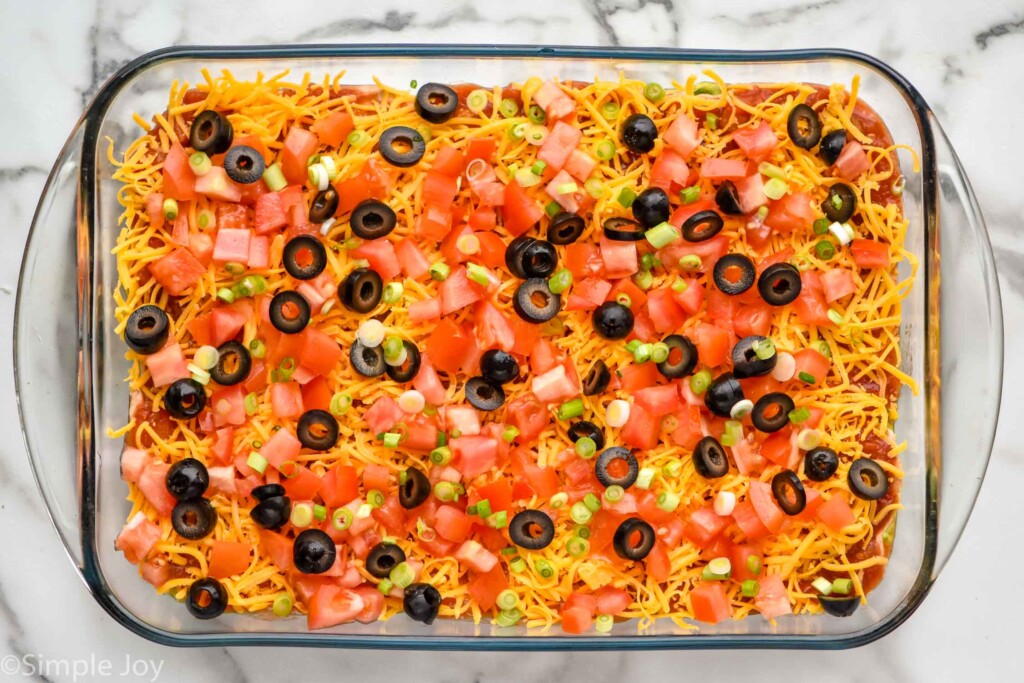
[[723, 393], [304, 257], [483, 395], [514, 255], [771, 412], [779, 284], [839, 607], [606, 461], [436, 103], [147, 329], [211, 133], [820, 463], [193, 519], [499, 367], [639, 133], [789, 492], [187, 479], [267, 491], [832, 146], [368, 361], [383, 558], [804, 126], [421, 601], [317, 430], [361, 290], [597, 378], [207, 598], [185, 398], [414, 491], [534, 302], [867, 479], [840, 203], [709, 458], [407, 370], [313, 552], [702, 225], [244, 164], [612, 320], [539, 259], [233, 364], [532, 530], [401, 146], [372, 219], [585, 428], [620, 229], [745, 361], [734, 274], [651, 207], [728, 199], [325, 203], [634, 539], [565, 228], [682, 357], [272, 512], [289, 312]]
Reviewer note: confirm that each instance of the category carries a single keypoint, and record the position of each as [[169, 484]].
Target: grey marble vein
[[985, 38]]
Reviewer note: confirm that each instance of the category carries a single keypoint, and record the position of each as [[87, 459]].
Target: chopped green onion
[[700, 382], [273, 177], [806, 377], [509, 618], [720, 566], [594, 187], [646, 477], [567, 188], [507, 599], [775, 188], [358, 138], [582, 531], [456, 433], [750, 588], [610, 110], [898, 185], [690, 262], [823, 585], [340, 404], [439, 271], [526, 178], [257, 462], [659, 352], [647, 261], [672, 469], [708, 575], [624, 299], [483, 508], [250, 404], [477, 100], [200, 163], [477, 273], [733, 430], [580, 513], [170, 209], [538, 167], [374, 498], [617, 413], [689, 195], [302, 515], [643, 279], [517, 565], [206, 219], [553, 328], [498, 520], [517, 131], [763, 348], [823, 348], [577, 547], [393, 292], [585, 447], [560, 281], [352, 243], [614, 493], [510, 434], [642, 354], [559, 500], [536, 135], [508, 108], [504, 551], [668, 501], [754, 564], [825, 250], [592, 502], [282, 606], [552, 208], [707, 88], [257, 348], [626, 197], [402, 574], [712, 121], [680, 286], [662, 235], [835, 316], [385, 586], [632, 344], [842, 586], [225, 295], [544, 568], [391, 439], [286, 368], [206, 357], [821, 226], [771, 170], [605, 150], [808, 439], [604, 623], [536, 114], [800, 415], [654, 92], [341, 519], [570, 409]]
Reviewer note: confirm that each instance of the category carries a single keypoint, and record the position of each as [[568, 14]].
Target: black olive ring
[[702, 226], [207, 598], [406, 136], [779, 284], [409, 369], [623, 542], [686, 350], [536, 311], [361, 290], [484, 395], [565, 228], [193, 519], [746, 363], [597, 378], [747, 274], [586, 428], [514, 255], [619, 229], [867, 479], [839, 607], [211, 132], [789, 492], [372, 219], [803, 115], [325, 203], [771, 412], [317, 430], [538, 259], [368, 361], [233, 364], [532, 530], [244, 164], [382, 558], [841, 194], [313, 552], [820, 463], [415, 490], [728, 199], [612, 320], [435, 102], [709, 458], [605, 460], [722, 394], [300, 249], [146, 330], [185, 398], [289, 312]]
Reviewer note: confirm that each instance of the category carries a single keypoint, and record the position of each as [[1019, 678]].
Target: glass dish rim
[[91, 571]]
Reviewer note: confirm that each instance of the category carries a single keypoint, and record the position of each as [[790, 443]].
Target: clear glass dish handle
[[47, 338], [971, 367]]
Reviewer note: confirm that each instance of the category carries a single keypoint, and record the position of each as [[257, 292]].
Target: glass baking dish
[[69, 364]]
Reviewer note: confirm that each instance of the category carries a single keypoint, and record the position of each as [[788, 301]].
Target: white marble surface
[[964, 56]]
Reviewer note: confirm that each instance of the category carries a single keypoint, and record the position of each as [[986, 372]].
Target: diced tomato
[[301, 483], [528, 415], [811, 306], [498, 493], [259, 252], [383, 414], [222, 445], [484, 587], [452, 523], [665, 313], [449, 161], [757, 143], [658, 564], [320, 354], [476, 557], [381, 255], [704, 525], [751, 193], [231, 245], [428, 383], [637, 297], [712, 344], [682, 135], [793, 212], [411, 259], [179, 180], [708, 251], [620, 259], [748, 461], [752, 319], [519, 212], [553, 100], [332, 129], [576, 620], [299, 145], [852, 161], [580, 165], [391, 515], [837, 283], [869, 253], [642, 429], [217, 185], [481, 148], [270, 213], [227, 321], [570, 201], [339, 486], [278, 548], [640, 376], [688, 430], [201, 246], [458, 291], [772, 598], [447, 345], [709, 603], [740, 557], [583, 260], [836, 512], [138, 538], [811, 363], [333, 605], [228, 558], [473, 454], [747, 520], [559, 144], [658, 400], [690, 299], [373, 604], [153, 484], [177, 271], [669, 169], [462, 418], [493, 330], [376, 477], [767, 509], [814, 502], [554, 386], [492, 248], [715, 168], [428, 309], [167, 365], [286, 399], [281, 447]]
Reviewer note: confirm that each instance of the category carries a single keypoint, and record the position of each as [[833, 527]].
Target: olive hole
[[539, 299], [780, 286], [230, 362], [635, 540], [204, 599], [733, 274], [366, 290], [386, 561], [369, 357], [188, 401], [290, 311], [533, 530], [675, 356], [373, 220], [190, 518], [147, 323], [869, 478], [245, 163], [618, 468], [438, 99], [485, 392], [401, 145], [205, 129]]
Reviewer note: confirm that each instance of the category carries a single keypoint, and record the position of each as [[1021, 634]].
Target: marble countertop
[[964, 59]]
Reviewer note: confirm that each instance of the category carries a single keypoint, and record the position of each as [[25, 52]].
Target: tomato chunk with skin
[[177, 271], [473, 555], [299, 145], [138, 538], [333, 605], [709, 603], [559, 145]]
